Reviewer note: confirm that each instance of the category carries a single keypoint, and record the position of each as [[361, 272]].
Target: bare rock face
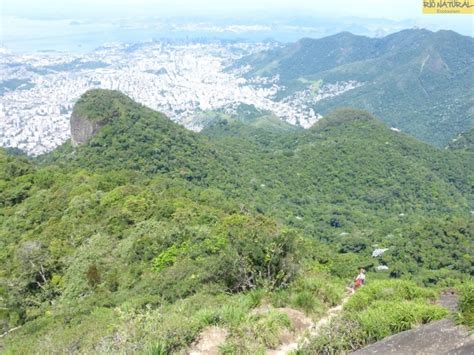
[[82, 129], [440, 337], [94, 109]]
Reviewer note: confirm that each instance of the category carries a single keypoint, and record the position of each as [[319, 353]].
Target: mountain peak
[[94, 109]]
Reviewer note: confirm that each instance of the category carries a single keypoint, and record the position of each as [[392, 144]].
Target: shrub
[[384, 318], [241, 253], [262, 251], [376, 311], [257, 332], [93, 275], [466, 305], [387, 290]]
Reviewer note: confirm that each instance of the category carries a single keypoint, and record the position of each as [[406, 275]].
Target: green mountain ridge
[[416, 80], [246, 115], [136, 138], [138, 239], [143, 140]]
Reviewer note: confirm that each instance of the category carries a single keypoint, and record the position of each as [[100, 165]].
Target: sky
[[38, 13], [393, 9]]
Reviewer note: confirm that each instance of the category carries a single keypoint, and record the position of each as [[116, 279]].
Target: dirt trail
[[212, 337], [209, 341], [311, 330], [440, 337]]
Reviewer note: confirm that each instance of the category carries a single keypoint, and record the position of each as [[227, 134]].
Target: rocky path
[[310, 331], [303, 328], [439, 337]]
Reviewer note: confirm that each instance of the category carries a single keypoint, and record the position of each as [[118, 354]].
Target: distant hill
[[241, 113], [337, 157], [333, 163], [341, 152], [246, 117], [416, 80]]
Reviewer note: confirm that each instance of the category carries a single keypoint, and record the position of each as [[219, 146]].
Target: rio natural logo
[[448, 7]]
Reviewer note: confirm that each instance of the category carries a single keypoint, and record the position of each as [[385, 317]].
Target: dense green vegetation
[[88, 255], [102, 105], [465, 141], [373, 313], [244, 116], [147, 234], [466, 305], [416, 80]]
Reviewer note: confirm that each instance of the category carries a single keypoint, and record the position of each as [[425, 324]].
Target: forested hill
[[464, 141], [416, 80], [136, 138], [350, 172], [348, 159], [140, 237]]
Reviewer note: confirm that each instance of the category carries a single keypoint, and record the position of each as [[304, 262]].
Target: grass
[[466, 305], [388, 290], [376, 311], [158, 327], [59, 334], [381, 308], [313, 292], [257, 332], [166, 328], [385, 318]]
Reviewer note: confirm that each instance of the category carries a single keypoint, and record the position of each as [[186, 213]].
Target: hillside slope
[[146, 233], [348, 158], [135, 137], [408, 78], [464, 142]]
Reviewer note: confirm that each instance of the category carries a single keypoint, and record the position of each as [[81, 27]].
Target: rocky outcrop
[[94, 109], [440, 337], [82, 128]]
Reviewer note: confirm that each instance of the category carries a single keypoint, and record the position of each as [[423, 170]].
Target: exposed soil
[[440, 337], [303, 327], [308, 330], [449, 299], [209, 341], [288, 339]]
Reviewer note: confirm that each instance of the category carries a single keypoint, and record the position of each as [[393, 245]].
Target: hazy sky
[[389, 9], [366, 8]]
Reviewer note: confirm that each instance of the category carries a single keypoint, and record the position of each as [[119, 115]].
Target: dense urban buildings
[[38, 90]]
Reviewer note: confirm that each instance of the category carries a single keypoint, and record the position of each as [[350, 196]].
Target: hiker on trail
[[358, 282], [360, 279]]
